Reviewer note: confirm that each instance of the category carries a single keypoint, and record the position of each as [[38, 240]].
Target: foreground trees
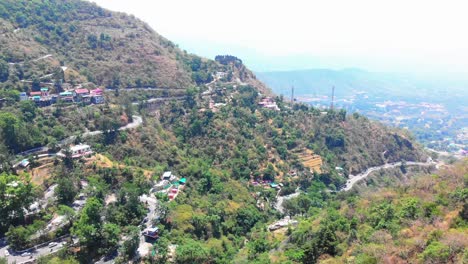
[[16, 194]]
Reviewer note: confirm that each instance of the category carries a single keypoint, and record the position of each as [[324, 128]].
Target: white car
[[52, 244], [7, 253], [26, 254]]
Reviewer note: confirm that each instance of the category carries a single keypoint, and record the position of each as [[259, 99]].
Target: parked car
[[26, 254]]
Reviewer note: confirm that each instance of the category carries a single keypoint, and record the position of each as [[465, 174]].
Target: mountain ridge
[[96, 45]]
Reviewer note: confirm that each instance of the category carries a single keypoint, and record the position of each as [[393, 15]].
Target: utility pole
[[333, 97]]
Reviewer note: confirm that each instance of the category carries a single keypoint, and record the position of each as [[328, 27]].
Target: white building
[[166, 175], [78, 151]]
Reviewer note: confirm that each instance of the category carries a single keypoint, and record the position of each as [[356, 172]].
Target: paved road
[[43, 57], [148, 89], [447, 154], [281, 199], [353, 179], [137, 121], [161, 99], [144, 247], [152, 202], [38, 59], [50, 192], [35, 253]]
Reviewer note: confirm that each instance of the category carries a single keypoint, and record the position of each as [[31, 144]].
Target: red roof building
[[81, 91]]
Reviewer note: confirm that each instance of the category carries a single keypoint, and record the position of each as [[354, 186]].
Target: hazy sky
[[397, 35]]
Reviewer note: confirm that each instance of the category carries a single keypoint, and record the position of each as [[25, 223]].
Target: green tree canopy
[[16, 193]]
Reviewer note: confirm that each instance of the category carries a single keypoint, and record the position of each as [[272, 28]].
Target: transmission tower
[[333, 97], [292, 95]]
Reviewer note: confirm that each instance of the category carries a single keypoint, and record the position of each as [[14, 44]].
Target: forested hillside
[[203, 158], [106, 48], [422, 220]]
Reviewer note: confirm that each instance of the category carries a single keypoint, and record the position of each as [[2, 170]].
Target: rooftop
[[153, 229], [66, 93], [81, 91], [97, 91], [79, 147]]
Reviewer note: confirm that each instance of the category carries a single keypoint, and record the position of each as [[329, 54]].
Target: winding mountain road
[[34, 60], [137, 121], [353, 179], [356, 178]]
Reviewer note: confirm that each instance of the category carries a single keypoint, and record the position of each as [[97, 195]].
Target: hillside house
[[80, 93], [86, 99], [36, 98], [97, 99], [268, 103], [23, 96], [66, 96], [32, 94], [183, 181], [78, 151], [220, 75], [152, 232], [24, 163], [44, 91], [97, 91], [167, 176], [53, 99], [97, 96]]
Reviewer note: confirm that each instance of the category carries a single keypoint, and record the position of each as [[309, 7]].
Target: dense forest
[[233, 159]]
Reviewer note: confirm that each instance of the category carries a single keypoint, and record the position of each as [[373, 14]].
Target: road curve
[[353, 179], [281, 199]]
